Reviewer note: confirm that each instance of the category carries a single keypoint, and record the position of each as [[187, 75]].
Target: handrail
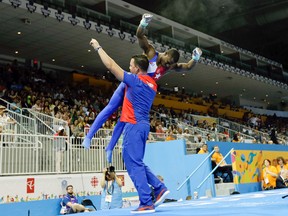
[[36, 117], [195, 170], [213, 170]]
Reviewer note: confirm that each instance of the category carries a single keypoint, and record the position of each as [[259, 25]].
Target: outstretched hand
[[196, 54], [94, 43], [146, 19]]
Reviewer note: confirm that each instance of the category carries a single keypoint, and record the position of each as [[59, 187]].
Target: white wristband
[[97, 48]]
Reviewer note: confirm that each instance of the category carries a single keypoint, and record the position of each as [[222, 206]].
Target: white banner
[[28, 188]]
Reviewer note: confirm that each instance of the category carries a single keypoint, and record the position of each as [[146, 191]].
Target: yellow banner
[[247, 164]]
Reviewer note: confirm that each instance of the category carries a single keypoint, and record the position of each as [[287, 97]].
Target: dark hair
[[109, 170], [141, 61], [174, 54], [69, 186], [281, 158]]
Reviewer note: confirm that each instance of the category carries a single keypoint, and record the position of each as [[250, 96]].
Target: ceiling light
[[53, 60], [121, 35], [31, 7], [59, 15], [266, 95], [82, 66], [73, 20], [98, 27], [16, 52], [15, 4], [110, 31], [45, 11], [89, 50], [87, 24], [19, 33], [216, 83]]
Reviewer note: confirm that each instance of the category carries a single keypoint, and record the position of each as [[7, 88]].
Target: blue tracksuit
[[139, 95], [116, 100]]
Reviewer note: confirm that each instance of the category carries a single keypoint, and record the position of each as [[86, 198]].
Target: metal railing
[[193, 172], [205, 179], [23, 154], [46, 124]]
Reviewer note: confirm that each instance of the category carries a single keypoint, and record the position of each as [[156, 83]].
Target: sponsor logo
[[30, 186]]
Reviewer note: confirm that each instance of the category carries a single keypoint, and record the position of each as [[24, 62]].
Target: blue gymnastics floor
[[259, 203]]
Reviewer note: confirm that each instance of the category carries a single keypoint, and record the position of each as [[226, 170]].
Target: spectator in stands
[[236, 138], [76, 129], [254, 121], [5, 121], [269, 175], [153, 125], [37, 106], [282, 180], [60, 146], [281, 165], [203, 149], [199, 139], [170, 136], [223, 168], [70, 201], [214, 127], [273, 136], [111, 196]]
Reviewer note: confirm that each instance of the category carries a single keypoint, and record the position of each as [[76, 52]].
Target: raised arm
[[148, 49], [108, 61], [196, 54]]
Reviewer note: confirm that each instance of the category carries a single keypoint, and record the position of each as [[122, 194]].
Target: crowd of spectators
[[55, 94]]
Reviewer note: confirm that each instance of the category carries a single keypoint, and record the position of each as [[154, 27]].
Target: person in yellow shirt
[[203, 149], [281, 165], [170, 136], [269, 175], [223, 167]]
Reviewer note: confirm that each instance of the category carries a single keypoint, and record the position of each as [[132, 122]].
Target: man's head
[[216, 148], [110, 173], [170, 58], [139, 63], [61, 130], [69, 189], [205, 147]]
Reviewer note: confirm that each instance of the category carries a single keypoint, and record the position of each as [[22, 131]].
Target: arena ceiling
[[258, 25], [66, 46]]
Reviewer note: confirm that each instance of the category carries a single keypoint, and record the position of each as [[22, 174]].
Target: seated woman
[[269, 175]]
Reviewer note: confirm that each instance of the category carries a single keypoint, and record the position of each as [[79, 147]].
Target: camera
[[111, 169], [108, 171]]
